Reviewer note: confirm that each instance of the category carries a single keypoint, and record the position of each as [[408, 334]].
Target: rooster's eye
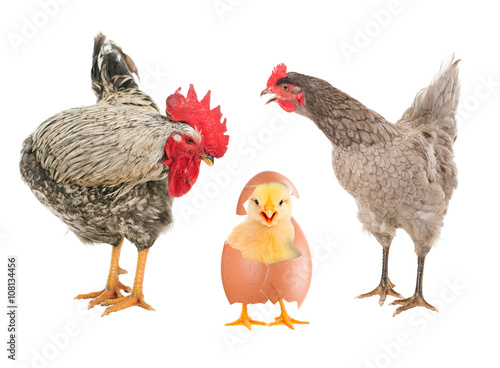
[[256, 202], [285, 87], [189, 140]]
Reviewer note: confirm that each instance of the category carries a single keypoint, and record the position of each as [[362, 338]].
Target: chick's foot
[[285, 319], [245, 320]]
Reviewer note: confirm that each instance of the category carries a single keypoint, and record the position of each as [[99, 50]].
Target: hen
[[401, 175], [110, 171]]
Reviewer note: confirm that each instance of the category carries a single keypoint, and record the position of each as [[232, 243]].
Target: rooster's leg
[[285, 319], [417, 300], [113, 285], [245, 320], [136, 297], [386, 287]]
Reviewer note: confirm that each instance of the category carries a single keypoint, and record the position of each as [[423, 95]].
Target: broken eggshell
[[251, 282]]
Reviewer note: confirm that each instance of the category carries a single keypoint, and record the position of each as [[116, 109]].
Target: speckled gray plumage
[[401, 175], [93, 213], [98, 167], [104, 145]]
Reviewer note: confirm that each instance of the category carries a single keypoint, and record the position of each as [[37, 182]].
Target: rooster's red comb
[[199, 116], [278, 72]]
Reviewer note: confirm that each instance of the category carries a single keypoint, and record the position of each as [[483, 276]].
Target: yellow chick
[[267, 233]]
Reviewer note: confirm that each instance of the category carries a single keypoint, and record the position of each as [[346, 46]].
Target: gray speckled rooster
[[401, 175], [110, 171]]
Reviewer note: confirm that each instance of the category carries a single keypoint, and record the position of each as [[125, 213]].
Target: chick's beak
[[209, 160], [269, 215], [267, 91]]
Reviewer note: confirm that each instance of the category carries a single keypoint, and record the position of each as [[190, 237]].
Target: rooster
[[111, 170], [401, 175]]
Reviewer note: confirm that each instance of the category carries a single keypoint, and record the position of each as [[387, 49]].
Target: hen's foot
[[245, 320], [285, 319], [416, 300], [383, 290], [124, 302], [111, 292]]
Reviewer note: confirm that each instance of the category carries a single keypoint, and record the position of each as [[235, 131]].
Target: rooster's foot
[[111, 292], [122, 302]]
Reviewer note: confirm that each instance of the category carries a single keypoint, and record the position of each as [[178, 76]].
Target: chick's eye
[[256, 202], [285, 87], [281, 202]]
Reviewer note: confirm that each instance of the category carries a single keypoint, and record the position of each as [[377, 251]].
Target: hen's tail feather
[[111, 67], [436, 105]]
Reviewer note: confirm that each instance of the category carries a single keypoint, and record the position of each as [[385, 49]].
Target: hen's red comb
[[278, 72], [199, 116]]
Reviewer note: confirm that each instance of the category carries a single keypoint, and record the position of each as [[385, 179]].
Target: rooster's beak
[[265, 92], [209, 160]]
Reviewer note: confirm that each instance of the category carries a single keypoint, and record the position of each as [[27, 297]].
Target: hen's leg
[[285, 319], [417, 300], [245, 320], [136, 297], [113, 285], [386, 286]]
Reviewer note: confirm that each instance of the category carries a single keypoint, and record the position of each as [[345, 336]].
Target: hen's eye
[[256, 202], [189, 140], [281, 202], [285, 87]]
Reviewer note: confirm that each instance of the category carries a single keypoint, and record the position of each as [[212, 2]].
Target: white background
[[232, 50]]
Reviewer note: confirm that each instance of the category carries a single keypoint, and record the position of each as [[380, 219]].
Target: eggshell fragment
[[242, 279]]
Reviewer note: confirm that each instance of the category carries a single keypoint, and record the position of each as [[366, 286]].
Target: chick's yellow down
[[267, 233]]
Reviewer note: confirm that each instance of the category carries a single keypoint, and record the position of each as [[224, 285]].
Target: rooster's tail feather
[[436, 105], [111, 68], [112, 77]]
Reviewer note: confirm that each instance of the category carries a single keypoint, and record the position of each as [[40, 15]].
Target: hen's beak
[[209, 160], [265, 92]]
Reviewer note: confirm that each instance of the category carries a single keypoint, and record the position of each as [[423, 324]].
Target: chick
[[265, 238], [267, 233]]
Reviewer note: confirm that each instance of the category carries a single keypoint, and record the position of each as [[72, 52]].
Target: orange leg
[[285, 319], [136, 298], [245, 320], [113, 285]]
